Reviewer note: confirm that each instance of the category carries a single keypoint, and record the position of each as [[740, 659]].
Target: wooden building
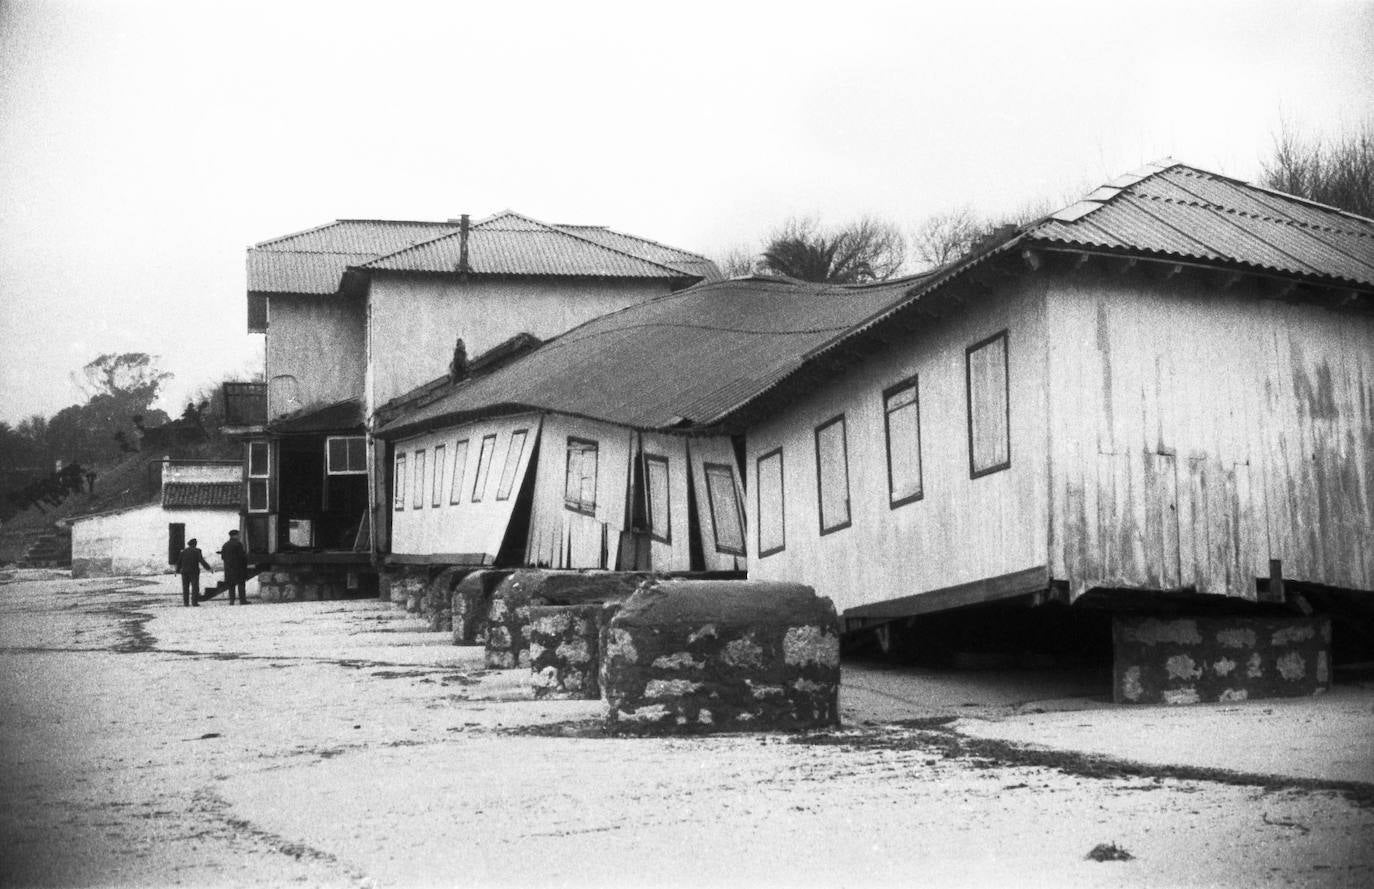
[[356, 312]]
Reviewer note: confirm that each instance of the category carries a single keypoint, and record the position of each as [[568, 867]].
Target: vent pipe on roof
[[463, 244]]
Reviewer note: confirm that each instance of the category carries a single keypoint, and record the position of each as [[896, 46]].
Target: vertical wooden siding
[[564, 538], [717, 451], [465, 527], [962, 529], [1198, 433]]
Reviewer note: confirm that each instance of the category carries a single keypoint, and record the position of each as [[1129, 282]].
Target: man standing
[[235, 567], [188, 565]]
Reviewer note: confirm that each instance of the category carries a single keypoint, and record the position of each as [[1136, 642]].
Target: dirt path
[[334, 744]]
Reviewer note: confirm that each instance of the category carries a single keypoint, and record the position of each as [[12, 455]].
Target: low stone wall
[[470, 604], [563, 642], [701, 656], [509, 615], [437, 602], [1231, 658], [406, 585], [299, 583]]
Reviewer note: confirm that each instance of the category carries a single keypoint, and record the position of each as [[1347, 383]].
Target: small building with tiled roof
[[358, 312], [188, 499]]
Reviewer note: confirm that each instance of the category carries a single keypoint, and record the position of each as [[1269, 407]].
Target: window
[[514, 451], [832, 475], [438, 486], [656, 505], [419, 478], [345, 455], [479, 485], [989, 421], [259, 475], [902, 422], [579, 491], [726, 515], [460, 466], [771, 504], [398, 490]]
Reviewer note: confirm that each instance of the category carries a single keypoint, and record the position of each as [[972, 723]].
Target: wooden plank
[[992, 589], [474, 559]]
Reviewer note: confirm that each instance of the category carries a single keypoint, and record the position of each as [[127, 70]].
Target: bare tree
[[944, 237], [738, 261], [1337, 171], [867, 249]]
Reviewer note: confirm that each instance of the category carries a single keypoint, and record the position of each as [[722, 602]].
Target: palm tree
[[866, 250]]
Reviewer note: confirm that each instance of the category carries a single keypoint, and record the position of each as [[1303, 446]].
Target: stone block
[[684, 656], [508, 616], [470, 603], [563, 642], [439, 594], [1187, 660]]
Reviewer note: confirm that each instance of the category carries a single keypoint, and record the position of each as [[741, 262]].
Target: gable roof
[[314, 261], [1172, 210], [203, 495], [681, 360]]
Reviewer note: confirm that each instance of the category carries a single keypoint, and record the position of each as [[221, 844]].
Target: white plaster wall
[[134, 542], [315, 352], [413, 322]]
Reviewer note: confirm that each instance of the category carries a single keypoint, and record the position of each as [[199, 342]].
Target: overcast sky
[[145, 145]]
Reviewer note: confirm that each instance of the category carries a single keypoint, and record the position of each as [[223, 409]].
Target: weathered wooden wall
[[963, 529], [715, 450], [1199, 432], [315, 351], [413, 322], [464, 528]]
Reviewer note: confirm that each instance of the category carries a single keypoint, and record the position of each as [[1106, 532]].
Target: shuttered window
[[460, 466], [514, 451], [989, 425], [419, 478], [902, 423], [832, 475], [656, 506], [438, 487], [771, 504], [479, 484], [579, 493], [398, 496], [726, 515]]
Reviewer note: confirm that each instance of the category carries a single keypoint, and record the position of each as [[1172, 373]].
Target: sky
[[145, 145]]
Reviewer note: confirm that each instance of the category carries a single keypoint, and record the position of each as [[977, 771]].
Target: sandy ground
[[337, 744]]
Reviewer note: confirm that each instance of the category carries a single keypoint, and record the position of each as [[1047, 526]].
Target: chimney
[[463, 244], [458, 368]]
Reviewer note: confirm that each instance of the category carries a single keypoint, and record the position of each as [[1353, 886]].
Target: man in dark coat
[[188, 565], [235, 567]]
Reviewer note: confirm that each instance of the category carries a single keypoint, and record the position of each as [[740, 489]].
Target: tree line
[[1334, 170]]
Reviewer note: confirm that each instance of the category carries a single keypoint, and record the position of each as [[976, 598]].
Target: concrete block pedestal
[[1188, 660]]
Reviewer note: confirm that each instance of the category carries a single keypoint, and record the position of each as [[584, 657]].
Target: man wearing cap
[[235, 567], [188, 566]]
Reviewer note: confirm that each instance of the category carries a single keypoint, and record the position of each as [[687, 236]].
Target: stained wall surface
[[1200, 431], [315, 352]]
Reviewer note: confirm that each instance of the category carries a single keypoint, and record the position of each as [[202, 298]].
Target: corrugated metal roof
[[511, 244], [690, 356], [341, 416], [507, 243], [208, 495], [1187, 213]]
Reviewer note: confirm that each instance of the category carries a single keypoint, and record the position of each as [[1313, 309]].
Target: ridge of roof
[[641, 239], [272, 242]]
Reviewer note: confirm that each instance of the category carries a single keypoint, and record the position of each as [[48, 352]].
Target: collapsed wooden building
[[1160, 397]]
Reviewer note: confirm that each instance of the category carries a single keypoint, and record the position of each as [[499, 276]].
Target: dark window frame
[[582, 445], [329, 468], [782, 500], [975, 472], [398, 481], [912, 382], [260, 479], [419, 500], [844, 458], [455, 491], [711, 505], [480, 477], [437, 485], [507, 482], [667, 535]]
